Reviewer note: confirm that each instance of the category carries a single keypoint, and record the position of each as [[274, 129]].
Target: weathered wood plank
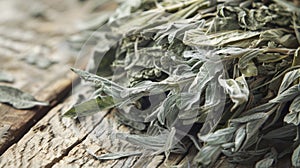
[[50, 84], [24, 35], [49, 140], [101, 140], [51, 88]]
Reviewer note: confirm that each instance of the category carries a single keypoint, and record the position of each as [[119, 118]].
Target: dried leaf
[[250, 70], [293, 117], [287, 95], [237, 90], [199, 38], [248, 118], [91, 107], [288, 79], [117, 155], [264, 163], [296, 157], [207, 155], [157, 143], [18, 99], [219, 137], [161, 69]]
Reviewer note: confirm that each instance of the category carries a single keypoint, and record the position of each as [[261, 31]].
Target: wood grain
[[23, 35], [49, 140]]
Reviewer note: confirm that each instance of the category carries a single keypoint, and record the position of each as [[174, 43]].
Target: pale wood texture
[[49, 85], [38, 28], [48, 141]]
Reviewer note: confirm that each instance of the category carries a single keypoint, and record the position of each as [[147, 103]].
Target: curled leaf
[[294, 115], [237, 90]]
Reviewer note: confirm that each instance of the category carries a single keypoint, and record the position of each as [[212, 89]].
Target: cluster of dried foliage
[[222, 74]]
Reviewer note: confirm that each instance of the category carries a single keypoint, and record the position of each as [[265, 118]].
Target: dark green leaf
[[91, 107]]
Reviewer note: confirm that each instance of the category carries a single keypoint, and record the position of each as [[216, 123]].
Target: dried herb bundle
[[223, 73]]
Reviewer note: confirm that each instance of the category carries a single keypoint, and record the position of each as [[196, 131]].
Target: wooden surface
[[38, 27], [49, 85]]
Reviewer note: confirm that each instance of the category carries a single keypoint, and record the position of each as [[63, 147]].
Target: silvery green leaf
[[237, 90], [91, 107], [248, 118], [247, 57], [97, 80], [168, 32], [288, 79], [139, 19], [240, 136], [197, 37], [156, 143], [287, 95], [115, 156], [147, 87], [296, 157], [5, 77], [294, 115], [191, 46], [292, 118], [207, 155], [214, 105], [171, 142], [131, 120], [264, 163], [185, 103], [18, 99], [149, 142], [218, 137], [167, 112], [109, 87], [252, 131], [206, 73], [145, 58]]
